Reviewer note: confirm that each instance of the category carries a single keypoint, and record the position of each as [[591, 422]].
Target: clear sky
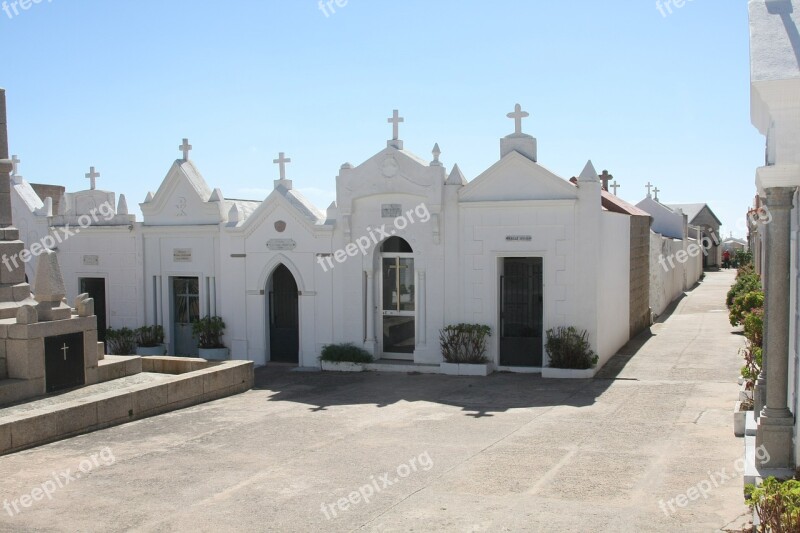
[[648, 96]]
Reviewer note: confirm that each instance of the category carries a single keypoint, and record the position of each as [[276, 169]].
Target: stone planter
[[146, 351], [460, 369], [213, 354], [567, 373], [739, 419], [745, 394], [341, 366]]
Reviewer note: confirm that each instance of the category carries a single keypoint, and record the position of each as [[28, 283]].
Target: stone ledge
[[100, 411]]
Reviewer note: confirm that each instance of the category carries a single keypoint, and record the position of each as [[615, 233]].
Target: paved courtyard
[[303, 451]]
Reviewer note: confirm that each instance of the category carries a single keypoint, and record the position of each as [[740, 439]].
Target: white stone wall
[[614, 286], [669, 283]]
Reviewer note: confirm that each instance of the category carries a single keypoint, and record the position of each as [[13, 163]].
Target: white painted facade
[[465, 239]]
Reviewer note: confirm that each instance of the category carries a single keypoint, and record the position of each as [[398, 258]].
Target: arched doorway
[[282, 316], [398, 299]]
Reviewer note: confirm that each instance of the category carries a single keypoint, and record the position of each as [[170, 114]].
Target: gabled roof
[[618, 205], [692, 210]]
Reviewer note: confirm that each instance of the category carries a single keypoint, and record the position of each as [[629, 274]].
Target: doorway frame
[[97, 275], [547, 310], [169, 277], [268, 314], [398, 255]]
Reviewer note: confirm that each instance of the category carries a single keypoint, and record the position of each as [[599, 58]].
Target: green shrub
[[345, 353], [746, 281], [777, 505], [569, 348], [754, 326], [209, 332], [753, 357], [150, 336], [464, 343], [120, 341], [744, 304]]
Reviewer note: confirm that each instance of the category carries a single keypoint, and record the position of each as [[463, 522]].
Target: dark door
[[284, 331], [96, 288], [521, 312], [185, 311], [63, 362]]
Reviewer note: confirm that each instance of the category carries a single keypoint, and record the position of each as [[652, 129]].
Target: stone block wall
[[640, 274]]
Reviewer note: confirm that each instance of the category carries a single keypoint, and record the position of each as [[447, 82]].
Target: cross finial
[[395, 122], [92, 177], [281, 162], [185, 148], [605, 177], [615, 186], [518, 115], [656, 191], [649, 186], [15, 161]]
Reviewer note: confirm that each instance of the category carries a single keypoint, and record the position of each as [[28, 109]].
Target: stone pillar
[[370, 311], [5, 167], [776, 420], [422, 328]]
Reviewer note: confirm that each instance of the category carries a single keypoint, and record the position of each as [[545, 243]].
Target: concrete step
[[117, 367]]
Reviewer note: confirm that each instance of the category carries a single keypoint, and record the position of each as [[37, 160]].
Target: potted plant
[[464, 350], [120, 341], [570, 353], [344, 358], [209, 332], [150, 341]]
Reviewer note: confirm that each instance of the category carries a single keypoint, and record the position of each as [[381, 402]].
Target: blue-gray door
[[521, 312], [185, 311]]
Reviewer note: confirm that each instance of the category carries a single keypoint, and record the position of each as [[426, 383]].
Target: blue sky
[[118, 84]]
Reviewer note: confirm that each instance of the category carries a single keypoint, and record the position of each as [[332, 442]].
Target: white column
[[421, 314], [370, 310]]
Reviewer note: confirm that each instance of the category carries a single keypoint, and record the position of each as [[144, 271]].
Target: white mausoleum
[[407, 248]]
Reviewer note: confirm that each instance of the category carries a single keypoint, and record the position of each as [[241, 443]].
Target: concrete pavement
[[504, 453]]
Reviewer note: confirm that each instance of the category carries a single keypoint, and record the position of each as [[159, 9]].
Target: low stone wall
[[210, 381]]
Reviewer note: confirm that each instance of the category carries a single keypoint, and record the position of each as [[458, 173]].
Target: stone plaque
[[91, 260], [182, 255], [64, 362], [391, 210], [278, 245], [519, 238]]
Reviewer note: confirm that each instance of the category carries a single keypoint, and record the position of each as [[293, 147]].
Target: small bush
[[209, 331], [744, 304], [569, 348], [754, 327], [465, 343], [746, 281], [120, 341], [345, 353], [753, 357], [150, 336], [777, 505]]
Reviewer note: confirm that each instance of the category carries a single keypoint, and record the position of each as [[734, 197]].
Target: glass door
[[399, 306]]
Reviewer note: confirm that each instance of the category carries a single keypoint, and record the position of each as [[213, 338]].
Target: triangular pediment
[[182, 199], [515, 177], [291, 203]]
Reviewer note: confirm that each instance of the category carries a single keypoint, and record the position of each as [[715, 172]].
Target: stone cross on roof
[[15, 161], [395, 122], [656, 191], [605, 177], [649, 186], [92, 177], [518, 115], [185, 148], [615, 186], [281, 161]]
